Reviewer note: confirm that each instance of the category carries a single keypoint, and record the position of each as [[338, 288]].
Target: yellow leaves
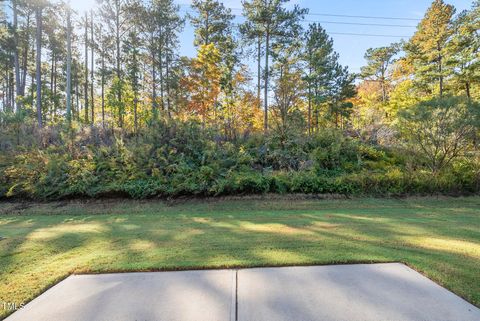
[[208, 55], [203, 81], [234, 107], [403, 96], [435, 26]]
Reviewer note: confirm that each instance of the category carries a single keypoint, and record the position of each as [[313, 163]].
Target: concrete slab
[[347, 292], [364, 292], [182, 296]]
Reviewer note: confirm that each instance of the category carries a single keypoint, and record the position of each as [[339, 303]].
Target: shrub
[[182, 159]]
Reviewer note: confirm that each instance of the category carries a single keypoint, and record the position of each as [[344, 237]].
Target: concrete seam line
[[236, 295]]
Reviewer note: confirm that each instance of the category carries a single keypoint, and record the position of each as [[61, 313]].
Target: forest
[[102, 104]]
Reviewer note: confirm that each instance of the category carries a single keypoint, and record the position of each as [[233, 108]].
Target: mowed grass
[[44, 243]]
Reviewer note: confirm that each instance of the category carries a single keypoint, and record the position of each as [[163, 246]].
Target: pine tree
[[427, 49], [15, 49], [85, 88], [38, 60], [379, 61], [325, 78], [278, 26], [132, 55], [69, 66], [464, 50], [92, 68], [212, 23], [117, 16]]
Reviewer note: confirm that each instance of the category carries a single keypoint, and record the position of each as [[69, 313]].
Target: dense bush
[[183, 159], [440, 129]]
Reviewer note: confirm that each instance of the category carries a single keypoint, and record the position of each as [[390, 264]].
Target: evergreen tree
[[132, 55], [39, 6], [212, 23], [278, 26], [464, 50], [117, 16], [378, 62], [427, 49], [69, 66], [328, 83]]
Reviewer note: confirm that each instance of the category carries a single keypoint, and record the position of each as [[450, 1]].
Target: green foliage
[[441, 129], [119, 99], [378, 64], [181, 158], [427, 49]]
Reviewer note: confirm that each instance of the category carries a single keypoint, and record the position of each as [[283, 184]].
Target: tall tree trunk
[[117, 41], [117, 36], [86, 70], [154, 87], [4, 97], [383, 84], [310, 96], [135, 118], [467, 90], [167, 82], [92, 66], [77, 95], [207, 29], [15, 52], [103, 81], [52, 71], [38, 40], [267, 51], [55, 104], [384, 91], [440, 69], [69, 66], [54, 88], [259, 70], [6, 92], [160, 61], [11, 89], [32, 80], [25, 58], [32, 74]]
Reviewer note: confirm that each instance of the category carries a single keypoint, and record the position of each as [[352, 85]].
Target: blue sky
[[350, 47]]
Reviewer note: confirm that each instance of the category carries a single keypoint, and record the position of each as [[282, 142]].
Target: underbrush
[[184, 160]]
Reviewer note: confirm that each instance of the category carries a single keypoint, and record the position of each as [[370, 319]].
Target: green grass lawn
[[44, 243]]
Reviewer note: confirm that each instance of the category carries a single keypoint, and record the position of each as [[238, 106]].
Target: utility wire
[[361, 17], [344, 23], [360, 24], [336, 15], [358, 34], [367, 35]]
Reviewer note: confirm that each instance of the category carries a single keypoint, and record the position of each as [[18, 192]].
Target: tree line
[[119, 64]]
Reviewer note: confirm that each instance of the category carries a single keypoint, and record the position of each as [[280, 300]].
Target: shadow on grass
[[46, 249]]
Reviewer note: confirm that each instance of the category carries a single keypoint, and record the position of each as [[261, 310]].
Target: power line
[[357, 34], [362, 17], [367, 35], [337, 15], [359, 24], [344, 23]]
